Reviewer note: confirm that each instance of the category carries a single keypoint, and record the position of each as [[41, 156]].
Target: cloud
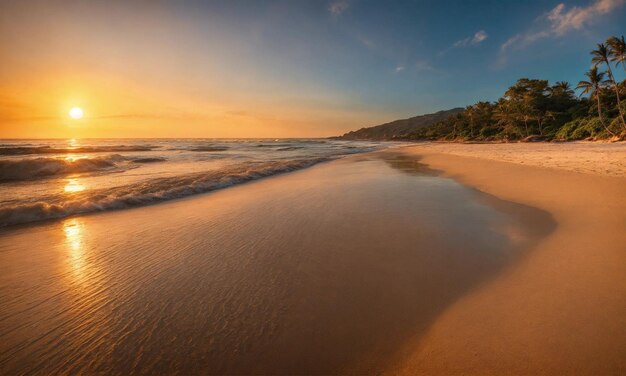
[[576, 18], [560, 20], [473, 40], [337, 7], [417, 66], [479, 37]]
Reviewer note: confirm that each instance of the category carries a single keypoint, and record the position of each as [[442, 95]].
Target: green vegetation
[[535, 110], [530, 110]]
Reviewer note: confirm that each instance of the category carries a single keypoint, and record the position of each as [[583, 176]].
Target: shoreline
[[322, 271], [561, 308], [366, 264]]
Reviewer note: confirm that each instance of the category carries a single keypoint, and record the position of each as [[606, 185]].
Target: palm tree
[[601, 56], [618, 50], [470, 111], [593, 88], [562, 87]]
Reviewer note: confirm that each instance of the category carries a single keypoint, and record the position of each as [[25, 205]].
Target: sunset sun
[[76, 113]]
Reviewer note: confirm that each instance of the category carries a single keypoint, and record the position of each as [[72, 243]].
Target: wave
[[146, 192], [37, 168], [312, 141], [272, 145], [24, 150], [209, 148], [149, 160], [199, 148]]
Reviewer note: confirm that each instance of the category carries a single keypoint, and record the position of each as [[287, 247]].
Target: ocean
[[46, 179]]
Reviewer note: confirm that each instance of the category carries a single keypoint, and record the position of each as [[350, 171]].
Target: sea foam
[[145, 192], [27, 169]]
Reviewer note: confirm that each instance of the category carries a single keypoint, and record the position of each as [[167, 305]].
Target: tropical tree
[[593, 87], [470, 111], [561, 97], [507, 115], [602, 56], [561, 88], [529, 99], [457, 122], [617, 50], [554, 111]]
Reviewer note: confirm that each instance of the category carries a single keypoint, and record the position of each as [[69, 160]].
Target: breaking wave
[[37, 168], [209, 148], [144, 193], [149, 160], [24, 150]]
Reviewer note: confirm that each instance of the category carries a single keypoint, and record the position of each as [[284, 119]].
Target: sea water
[[45, 179]]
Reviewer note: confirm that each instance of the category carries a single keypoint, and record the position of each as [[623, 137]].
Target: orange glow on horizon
[[154, 75], [121, 108]]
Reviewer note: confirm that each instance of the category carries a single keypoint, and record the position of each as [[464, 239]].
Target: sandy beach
[[336, 187], [412, 260], [597, 158], [562, 308]]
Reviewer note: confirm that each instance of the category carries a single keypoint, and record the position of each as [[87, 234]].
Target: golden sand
[[562, 309]]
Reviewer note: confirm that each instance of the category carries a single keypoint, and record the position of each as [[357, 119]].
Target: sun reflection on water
[[74, 231], [73, 185], [74, 157]]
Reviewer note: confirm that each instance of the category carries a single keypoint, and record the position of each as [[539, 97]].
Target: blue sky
[[420, 56], [285, 67]]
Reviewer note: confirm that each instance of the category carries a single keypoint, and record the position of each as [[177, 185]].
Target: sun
[[76, 113]]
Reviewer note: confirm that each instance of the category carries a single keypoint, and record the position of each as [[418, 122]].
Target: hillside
[[399, 129]]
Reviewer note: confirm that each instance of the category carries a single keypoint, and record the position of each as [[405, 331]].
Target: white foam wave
[[23, 149], [37, 168], [144, 193]]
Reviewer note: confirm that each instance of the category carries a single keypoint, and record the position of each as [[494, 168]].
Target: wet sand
[[562, 308], [341, 268]]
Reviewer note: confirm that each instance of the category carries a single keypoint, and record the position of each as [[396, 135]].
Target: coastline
[[325, 270], [561, 308], [366, 264]]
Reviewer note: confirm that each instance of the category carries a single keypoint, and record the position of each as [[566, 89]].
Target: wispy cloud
[[473, 40], [577, 17], [337, 7], [416, 66], [559, 21]]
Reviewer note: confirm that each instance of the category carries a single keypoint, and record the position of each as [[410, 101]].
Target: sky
[[284, 68]]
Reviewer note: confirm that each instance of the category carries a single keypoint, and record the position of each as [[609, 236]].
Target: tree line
[[534, 109]]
